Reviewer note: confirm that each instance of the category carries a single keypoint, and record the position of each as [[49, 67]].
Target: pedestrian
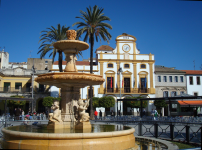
[[95, 113], [119, 112], [112, 113], [23, 114], [144, 112], [17, 113], [195, 112], [155, 114], [100, 114], [31, 117], [152, 113], [14, 112]]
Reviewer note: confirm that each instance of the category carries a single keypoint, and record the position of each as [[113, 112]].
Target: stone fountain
[[69, 126]]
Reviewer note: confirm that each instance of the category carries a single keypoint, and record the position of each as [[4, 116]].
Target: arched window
[[110, 65]]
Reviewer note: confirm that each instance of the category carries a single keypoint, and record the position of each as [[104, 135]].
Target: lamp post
[[33, 71], [119, 73]]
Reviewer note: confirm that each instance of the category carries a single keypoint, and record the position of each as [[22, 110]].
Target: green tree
[[48, 101], [94, 27], [48, 38], [136, 104], [160, 103], [106, 102], [16, 103], [95, 102]]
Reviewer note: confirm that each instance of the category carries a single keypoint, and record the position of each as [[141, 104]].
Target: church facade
[[126, 71]]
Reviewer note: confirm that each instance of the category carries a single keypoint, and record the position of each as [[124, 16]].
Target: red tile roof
[[77, 63], [193, 71], [105, 48]]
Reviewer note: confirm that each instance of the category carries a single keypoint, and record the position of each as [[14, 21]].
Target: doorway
[[126, 85], [143, 85]]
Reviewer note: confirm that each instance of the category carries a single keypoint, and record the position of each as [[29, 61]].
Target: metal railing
[[184, 129]]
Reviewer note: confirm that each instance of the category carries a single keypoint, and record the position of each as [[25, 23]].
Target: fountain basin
[[71, 44], [108, 140], [69, 79]]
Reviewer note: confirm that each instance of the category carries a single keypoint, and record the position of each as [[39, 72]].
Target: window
[[126, 66], [126, 85], [174, 107], [165, 78], [181, 92], [46, 61], [165, 94], [18, 85], [110, 84], [41, 88], [143, 66], [181, 79], [198, 80], [176, 78], [170, 78], [110, 65], [159, 78], [88, 96], [195, 94], [173, 93], [191, 80], [6, 86]]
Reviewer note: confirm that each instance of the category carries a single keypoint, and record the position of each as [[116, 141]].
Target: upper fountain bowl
[[71, 45]]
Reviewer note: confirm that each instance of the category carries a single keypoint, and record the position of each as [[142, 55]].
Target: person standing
[[100, 115], [17, 114], [23, 114], [144, 113], [112, 113], [95, 113], [155, 114], [195, 112], [152, 114]]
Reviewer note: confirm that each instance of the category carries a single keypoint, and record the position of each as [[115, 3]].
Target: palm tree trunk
[[91, 71], [60, 61]]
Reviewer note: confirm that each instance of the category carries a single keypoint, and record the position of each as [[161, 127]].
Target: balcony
[[125, 91], [23, 90]]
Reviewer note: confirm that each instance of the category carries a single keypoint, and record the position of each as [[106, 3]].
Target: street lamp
[[33, 71], [119, 73]]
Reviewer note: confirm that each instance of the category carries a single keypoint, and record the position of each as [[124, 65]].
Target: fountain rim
[[67, 135], [70, 73], [79, 45]]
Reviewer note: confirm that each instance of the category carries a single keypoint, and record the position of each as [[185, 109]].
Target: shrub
[[106, 102]]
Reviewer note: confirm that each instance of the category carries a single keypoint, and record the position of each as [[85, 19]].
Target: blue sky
[[169, 29]]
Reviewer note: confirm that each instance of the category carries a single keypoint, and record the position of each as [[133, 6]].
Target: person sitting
[[26, 121], [30, 117]]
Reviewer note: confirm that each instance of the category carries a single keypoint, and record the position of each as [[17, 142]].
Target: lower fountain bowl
[[107, 140]]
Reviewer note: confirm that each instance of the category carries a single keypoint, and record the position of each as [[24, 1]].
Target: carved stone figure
[[82, 107], [71, 34], [71, 63], [56, 115]]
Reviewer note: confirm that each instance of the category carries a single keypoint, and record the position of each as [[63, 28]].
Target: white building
[[194, 85], [137, 78], [4, 59]]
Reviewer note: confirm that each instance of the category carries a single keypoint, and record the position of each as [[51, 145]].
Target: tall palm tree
[[94, 27], [48, 38]]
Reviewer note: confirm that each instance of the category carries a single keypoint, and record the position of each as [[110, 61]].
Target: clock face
[[126, 47]]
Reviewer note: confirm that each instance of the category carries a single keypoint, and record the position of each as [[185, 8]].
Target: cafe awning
[[190, 103]]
